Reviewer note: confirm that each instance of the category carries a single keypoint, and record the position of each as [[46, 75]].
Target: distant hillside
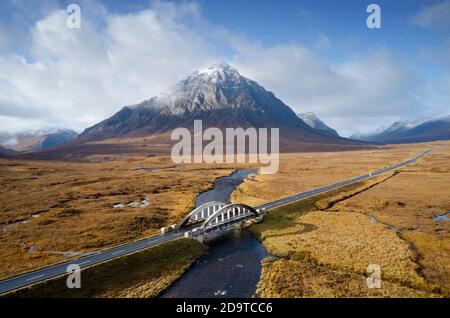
[[37, 140], [6, 151], [411, 131]]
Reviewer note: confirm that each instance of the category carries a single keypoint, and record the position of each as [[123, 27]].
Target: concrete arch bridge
[[214, 219]]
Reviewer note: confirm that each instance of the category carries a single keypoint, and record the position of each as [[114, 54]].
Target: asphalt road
[[106, 255]]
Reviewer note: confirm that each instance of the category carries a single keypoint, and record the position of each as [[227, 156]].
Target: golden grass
[[73, 202], [350, 191], [344, 241], [285, 278], [409, 201], [326, 254], [304, 171], [143, 274]]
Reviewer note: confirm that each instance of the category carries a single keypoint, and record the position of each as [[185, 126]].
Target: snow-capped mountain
[[314, 122], [37, 139], [218, 95], [400, 126], [420, 130]]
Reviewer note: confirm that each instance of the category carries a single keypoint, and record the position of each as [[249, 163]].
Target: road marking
[[35, 277], [114, 253], [85, 262]]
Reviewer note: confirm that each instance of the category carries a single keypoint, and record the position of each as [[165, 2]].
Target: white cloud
[[355, 95], [434, 16], [78, 77]]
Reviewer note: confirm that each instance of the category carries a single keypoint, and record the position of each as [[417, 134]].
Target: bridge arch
[[229, 214], [202, 212]]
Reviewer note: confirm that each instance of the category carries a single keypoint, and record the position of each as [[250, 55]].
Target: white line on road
[[117, 252], [83, 263], [35, 277]]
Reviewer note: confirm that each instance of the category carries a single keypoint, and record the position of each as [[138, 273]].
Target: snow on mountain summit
[[218, 94], [219, 86], [219, 71], [314, 122], [420, 130]]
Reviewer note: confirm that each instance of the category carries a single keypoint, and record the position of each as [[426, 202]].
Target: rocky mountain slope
[[314, 122], [219, 96]]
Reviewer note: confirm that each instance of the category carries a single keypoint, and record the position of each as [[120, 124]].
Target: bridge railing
[[222, 218], [229, 213], [201, 213]]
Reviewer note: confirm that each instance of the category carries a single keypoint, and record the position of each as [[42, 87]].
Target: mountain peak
[[220, 97], [217, 73], [216, 87], [419, 130], [314, 122], [219, 67]]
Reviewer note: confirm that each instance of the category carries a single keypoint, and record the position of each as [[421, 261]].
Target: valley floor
[[52, 211], [325, 244]]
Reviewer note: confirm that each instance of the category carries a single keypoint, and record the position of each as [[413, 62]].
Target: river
[[232, 265]]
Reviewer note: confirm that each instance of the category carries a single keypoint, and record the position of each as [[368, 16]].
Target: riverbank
[[323, 254]]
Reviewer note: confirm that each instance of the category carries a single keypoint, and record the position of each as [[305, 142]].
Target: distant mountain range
[[221, 97], [37, 139], [411, 131], [314, 122], [6, 151]]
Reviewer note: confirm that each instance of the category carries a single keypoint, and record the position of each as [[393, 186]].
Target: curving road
[[106, 255]]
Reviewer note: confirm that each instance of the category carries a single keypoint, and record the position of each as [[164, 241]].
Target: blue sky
[[316, 56]]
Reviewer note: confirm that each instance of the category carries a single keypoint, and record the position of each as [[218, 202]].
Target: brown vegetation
[[290, 278], [51, 211], [325, 243], [142, 274], [304, 171], [409, 202]]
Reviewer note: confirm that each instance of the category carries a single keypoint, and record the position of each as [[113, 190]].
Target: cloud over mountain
[[77, 77]]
